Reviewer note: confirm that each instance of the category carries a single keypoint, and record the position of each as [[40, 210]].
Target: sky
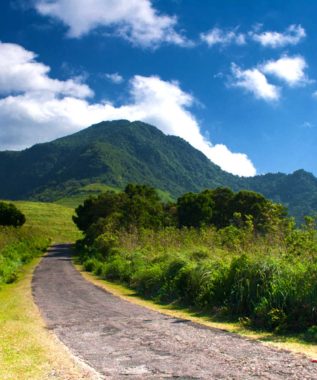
[[234, 78]]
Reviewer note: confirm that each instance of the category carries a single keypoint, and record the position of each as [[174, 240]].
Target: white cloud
[[134, 20], [254, 81], [32, 114], [292, 36], [217, 36], [114, 77], [20, 72], [289, 69]]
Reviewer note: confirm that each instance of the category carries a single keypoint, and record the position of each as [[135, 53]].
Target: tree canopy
[[139, 206], [10, 215]]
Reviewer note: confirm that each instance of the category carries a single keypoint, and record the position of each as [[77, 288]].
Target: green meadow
[[51, 220]]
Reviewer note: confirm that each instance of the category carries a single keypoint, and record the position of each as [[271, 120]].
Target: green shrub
[[10, 215], [268, 280], [18, 247]]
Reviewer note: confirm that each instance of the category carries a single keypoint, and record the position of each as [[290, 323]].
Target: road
[[121, 340]]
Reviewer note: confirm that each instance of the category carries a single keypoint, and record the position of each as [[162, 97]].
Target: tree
[[222, 197], [195, 210], [142, 208], [10, 215], [264, 212], [95, 208]]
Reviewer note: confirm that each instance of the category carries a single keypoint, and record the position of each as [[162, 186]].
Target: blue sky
[[236, 79]]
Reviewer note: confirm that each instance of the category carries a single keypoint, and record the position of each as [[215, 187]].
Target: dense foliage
[[18, 246], [269, 281], [10, 215], [228, 253], [139, 206], [119, 152]]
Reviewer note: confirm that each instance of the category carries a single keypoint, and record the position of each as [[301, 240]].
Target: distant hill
[[112, 154]]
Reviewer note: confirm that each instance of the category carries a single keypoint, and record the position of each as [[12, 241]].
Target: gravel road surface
[[121, 340]]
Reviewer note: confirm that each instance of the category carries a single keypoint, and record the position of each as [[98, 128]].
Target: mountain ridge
[[115, 153]]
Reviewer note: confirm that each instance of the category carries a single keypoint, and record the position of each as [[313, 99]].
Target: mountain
[[112, 154]]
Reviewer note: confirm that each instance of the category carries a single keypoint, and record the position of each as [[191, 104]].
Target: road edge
[[124, 293]]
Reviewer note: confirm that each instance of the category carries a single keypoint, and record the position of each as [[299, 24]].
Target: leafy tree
[[138, 206], [95, 208], [195, 210], [265, 213], [222, 197], [142, 207], [10, 215]]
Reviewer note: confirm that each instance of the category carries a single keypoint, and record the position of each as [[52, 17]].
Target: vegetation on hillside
[[44, 224], [235, 254], [10, 215], [51, 220], [18, 246], [27, 350], [119, 152]]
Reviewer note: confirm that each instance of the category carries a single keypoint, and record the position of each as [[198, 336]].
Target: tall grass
[[45, 223], [18, 246], [269, 281]]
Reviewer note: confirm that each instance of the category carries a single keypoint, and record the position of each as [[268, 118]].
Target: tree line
[[139, 206]]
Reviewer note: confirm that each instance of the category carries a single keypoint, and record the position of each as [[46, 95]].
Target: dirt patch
[[123, 340]]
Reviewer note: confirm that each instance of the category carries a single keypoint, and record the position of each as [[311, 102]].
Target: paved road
[[125, 341]]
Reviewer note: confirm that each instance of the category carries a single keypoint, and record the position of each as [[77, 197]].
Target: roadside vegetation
[[233, 255], [18, 245], [27, 349], [27, 229]]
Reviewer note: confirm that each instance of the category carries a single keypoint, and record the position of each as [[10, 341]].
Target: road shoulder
[[28, 350], [291, 344]]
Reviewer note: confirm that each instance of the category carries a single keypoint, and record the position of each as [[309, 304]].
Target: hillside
[[112, 154]]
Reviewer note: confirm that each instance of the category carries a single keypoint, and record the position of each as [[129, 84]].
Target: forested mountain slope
[[118, 152]]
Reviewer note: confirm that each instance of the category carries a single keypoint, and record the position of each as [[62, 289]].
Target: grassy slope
[[94, 189], [78, 197], [53, 220], [27, 349]]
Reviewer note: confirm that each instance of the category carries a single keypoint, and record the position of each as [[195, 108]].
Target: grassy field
[[78, 197], [53, 220], [27, 349]]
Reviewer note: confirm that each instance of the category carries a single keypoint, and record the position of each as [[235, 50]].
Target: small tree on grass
[[10, 215]]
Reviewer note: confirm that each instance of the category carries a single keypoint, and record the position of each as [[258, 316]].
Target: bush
[[10, 215]]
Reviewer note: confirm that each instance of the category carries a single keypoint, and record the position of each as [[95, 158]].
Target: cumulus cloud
[[289, 69], [134, 20], [254, 81], [33, 114], [20, 72], [217, 36], [114, 77], [291, 36]]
